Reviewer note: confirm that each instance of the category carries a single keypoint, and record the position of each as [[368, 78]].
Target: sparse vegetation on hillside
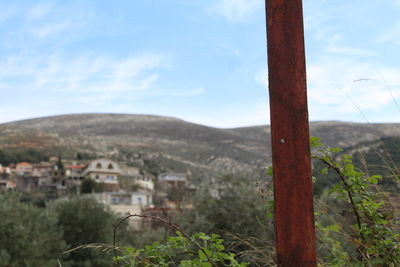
[[169, 143], [359, 231]]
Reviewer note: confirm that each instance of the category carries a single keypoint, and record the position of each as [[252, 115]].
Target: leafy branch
[[211, 252], [376, 240]]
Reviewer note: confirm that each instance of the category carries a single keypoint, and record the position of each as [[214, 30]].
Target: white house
[[142, 199], [126, 203], [103, 171], [145, 183]]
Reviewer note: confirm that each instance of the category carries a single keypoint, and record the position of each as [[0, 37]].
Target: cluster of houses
[[58, 179]]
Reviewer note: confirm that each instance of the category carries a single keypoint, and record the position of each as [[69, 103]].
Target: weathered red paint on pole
[[294, 215]]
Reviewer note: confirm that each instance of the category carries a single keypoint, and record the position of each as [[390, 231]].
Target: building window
[[110, 166], [110, 178], [98, 166], [97, 177]]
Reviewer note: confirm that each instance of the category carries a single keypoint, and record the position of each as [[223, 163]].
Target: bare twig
[[104, 247]]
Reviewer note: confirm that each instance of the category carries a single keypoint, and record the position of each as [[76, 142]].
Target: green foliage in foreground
[[85, 221], [29, 236], [38, 237], [198, 250], [234, 206], [372, 232], [355, 224]]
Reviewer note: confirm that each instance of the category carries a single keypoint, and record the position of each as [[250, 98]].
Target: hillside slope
[[169, 143]]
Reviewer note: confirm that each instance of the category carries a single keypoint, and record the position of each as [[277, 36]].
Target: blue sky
[[203, 61]]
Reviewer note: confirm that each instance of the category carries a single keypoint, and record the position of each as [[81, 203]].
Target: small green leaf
[[269, 171], [315, 142], [335, 149], [333, 227], [324, 171]]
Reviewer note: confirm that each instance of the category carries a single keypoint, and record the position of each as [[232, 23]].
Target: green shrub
[[184, 251], [372, 231], [29, 236], [85, 221]]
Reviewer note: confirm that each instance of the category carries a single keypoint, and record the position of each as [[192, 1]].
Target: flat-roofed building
[[172, 180]]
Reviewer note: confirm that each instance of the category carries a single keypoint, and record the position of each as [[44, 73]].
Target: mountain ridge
[[170, 143]]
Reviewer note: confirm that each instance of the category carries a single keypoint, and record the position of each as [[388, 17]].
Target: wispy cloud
[[396, 2], [391, 34], [43, 65], [261, 77], [38, 23], [38, 11], [257, 114], [316, 20], [235, 10], [348, 51], [82, 74], [348, 87], [226, 49], [58, 84], [193, 92], [8, 12], [12, 113], [40, 66]]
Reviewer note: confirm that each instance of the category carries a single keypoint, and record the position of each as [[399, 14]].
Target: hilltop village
[[125, 189]]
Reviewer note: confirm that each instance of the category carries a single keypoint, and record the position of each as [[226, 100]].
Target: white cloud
[[127, 70], [38, 23], [42, 85], [226, 49], [335, 88], [197, 91], [348, 51], [38, 11], [390, 35], [316, 20], [257, 114], [10, 113], [90, 74], [235, 10], [176, 93], [8, 12], [396, 2], [51, 29], [189, 93], [261, 77]]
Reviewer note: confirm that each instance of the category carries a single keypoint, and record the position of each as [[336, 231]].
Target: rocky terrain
[[164, 143]]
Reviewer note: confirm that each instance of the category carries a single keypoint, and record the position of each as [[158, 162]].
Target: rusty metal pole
[[294, 215]]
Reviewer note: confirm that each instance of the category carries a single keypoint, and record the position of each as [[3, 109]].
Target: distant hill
[[164, 143]]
